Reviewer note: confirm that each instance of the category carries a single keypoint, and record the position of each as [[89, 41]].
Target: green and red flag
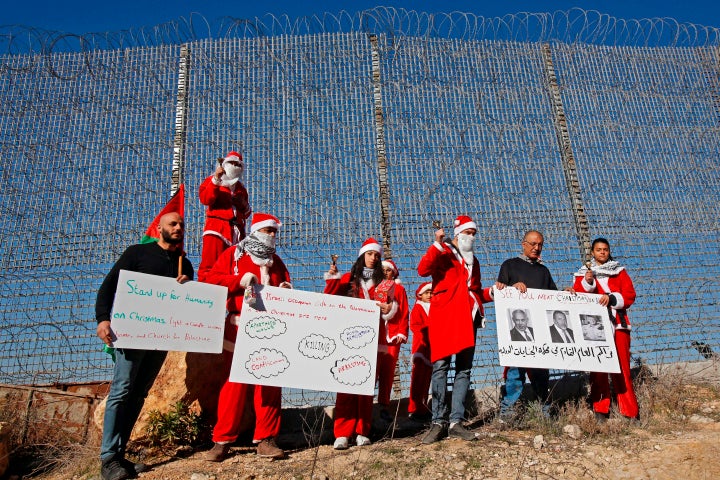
[[176, 204]]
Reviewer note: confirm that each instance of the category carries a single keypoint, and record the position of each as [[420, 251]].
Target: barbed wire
[[572, 26]]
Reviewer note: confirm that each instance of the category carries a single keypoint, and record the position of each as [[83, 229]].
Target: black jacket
[[148, 258]]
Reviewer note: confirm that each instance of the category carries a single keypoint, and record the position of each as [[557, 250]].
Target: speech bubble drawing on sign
[[357, 337], [316, 346], [266, 363], [354, 370], [265, 326]]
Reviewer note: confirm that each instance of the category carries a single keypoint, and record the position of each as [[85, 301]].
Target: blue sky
[[82, 16]]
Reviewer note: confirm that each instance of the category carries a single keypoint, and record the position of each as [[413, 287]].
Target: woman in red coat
[[421, 367], [353, 413], [227, 210], [609, 279]]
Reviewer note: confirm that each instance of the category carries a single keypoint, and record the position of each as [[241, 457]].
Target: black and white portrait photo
[[560, 331], [520, 329], [592, 328]]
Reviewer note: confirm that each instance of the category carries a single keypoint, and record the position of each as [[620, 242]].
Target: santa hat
[[262, 220], [463, 222], [424, 287], [232, 157], [391, 265], [370, 245]]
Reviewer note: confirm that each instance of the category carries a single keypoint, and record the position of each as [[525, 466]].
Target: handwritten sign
[[158, 313], [314, 341], [554, 329]]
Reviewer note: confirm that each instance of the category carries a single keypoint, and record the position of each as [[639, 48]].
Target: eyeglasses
[[534, 244]]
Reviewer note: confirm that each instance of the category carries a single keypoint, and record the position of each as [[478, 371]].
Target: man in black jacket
[[523, 272], [135, 370]]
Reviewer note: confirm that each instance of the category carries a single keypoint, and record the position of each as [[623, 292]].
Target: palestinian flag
[[176, 204]]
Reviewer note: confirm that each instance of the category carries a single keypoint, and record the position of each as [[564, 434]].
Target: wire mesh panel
[[461, 108], [85, 145], [645, 133]]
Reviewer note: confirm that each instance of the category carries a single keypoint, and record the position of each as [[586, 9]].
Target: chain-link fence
[[449, 114]]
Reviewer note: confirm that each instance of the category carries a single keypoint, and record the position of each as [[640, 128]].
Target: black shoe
[[113, 469], [436, 433], [458, 431], [133, 467]]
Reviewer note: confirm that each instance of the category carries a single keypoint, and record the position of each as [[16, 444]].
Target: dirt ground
[[691, 453], [678, 437]]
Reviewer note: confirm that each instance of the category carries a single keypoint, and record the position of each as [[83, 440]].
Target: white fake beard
[[465, 245]]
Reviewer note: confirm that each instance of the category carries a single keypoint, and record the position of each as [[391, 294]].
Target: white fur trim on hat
[[428, 286], [261, 222], [370, 247], [463, 225]]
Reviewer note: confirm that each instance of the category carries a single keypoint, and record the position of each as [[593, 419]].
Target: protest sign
[[554, 329], [298, 339], [158, 313]]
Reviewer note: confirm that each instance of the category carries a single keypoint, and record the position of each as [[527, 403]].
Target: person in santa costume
[[227, 210], [605, 276], [353, 413], [456, 312], [252, 261], [421, 367], [393, 333]]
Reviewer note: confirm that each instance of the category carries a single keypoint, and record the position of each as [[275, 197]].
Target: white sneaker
[[341, 443], [362, 441]]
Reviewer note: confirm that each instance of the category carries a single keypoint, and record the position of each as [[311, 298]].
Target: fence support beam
[[566, 153], [380, 148], [178, 168]]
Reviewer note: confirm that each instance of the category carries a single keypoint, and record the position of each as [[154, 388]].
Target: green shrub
[[179, 426]]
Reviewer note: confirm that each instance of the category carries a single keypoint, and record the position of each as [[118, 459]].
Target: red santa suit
[[227, 210], [421, 366], [235, 269], [611, 279], [393, 333], [457, 297]]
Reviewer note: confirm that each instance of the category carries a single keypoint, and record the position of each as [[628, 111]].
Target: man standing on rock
[[135, 370]]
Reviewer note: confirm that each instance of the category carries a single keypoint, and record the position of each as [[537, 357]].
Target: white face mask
[[465, 242], [265, 239], [232, 172]]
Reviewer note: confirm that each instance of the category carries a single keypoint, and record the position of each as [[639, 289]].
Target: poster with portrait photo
[[555, 330]]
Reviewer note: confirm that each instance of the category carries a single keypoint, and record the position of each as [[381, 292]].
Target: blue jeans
[[135, 372], [461, 384], [514, 381]]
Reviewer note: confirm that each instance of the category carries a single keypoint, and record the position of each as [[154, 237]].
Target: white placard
[[588, 346], [158, 313], [307, 340]]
